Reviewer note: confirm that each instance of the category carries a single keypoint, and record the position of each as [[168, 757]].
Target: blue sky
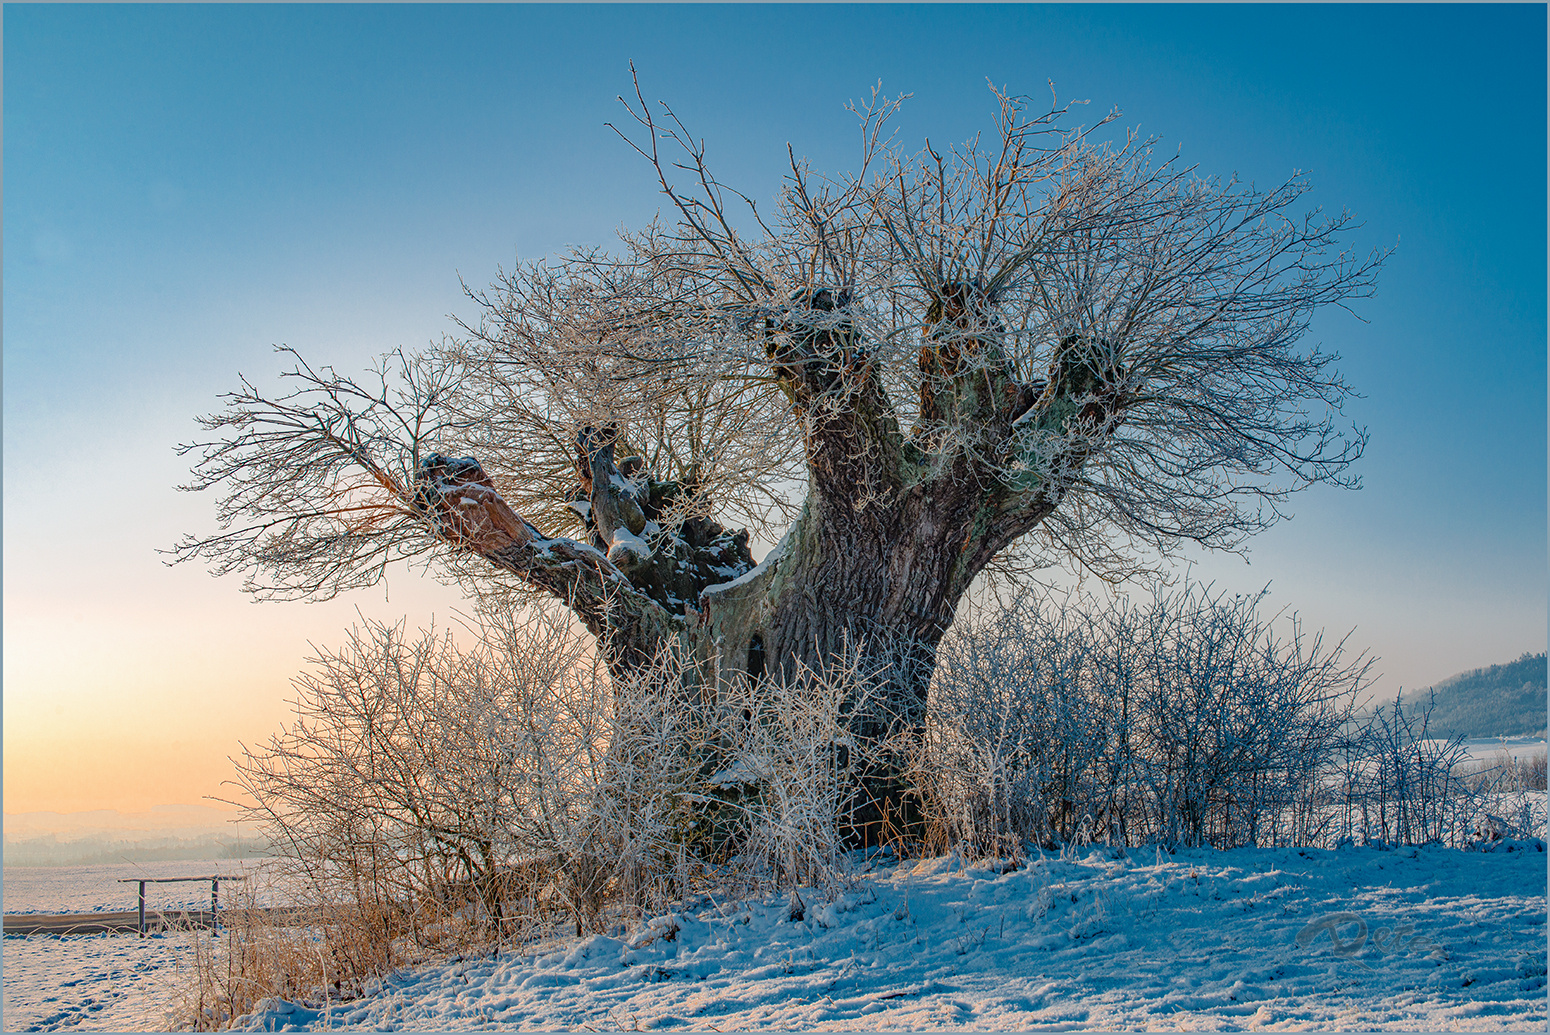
[[187, 185]]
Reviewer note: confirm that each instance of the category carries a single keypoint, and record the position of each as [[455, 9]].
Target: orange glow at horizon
[[110, 705]]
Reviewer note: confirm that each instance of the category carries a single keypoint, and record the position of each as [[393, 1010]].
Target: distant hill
[[90, 851], [1498, 701], [107, 835]]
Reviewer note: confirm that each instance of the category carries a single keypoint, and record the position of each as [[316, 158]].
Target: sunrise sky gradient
[[186, 186]]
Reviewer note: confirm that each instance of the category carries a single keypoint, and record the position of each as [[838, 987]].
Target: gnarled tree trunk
[[893, 531]]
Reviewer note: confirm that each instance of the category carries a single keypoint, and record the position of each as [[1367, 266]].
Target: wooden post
[[215, 893]]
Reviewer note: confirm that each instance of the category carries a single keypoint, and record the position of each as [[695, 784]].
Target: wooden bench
[[215, 892]]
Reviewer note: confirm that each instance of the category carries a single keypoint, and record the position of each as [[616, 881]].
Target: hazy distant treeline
[[1498, 701], [91, 851]]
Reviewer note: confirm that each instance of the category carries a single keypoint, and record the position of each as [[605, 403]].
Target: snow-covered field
[[91, 982], [1419, 939], [95, 889], [101, 982]]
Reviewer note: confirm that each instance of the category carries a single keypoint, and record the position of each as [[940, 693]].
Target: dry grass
[[250, 961], [306, 950]]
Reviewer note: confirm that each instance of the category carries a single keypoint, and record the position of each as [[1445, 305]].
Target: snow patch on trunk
[[768, 564]]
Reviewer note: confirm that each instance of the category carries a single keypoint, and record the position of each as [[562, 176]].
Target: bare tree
[[1039, 346]]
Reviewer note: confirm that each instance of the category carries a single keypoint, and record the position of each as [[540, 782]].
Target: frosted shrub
[[790, 767], [1193, 720], [1020, 727], [1399, 784], [600, 768], [478, 789], [375, 793], [444, 796], [1239, 721], [640, 806], [1190, 720]]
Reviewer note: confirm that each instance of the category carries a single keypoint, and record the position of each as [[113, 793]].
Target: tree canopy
[[1054, 342]]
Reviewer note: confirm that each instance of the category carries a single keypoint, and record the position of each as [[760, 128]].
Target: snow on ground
[[1363, 938], [96, 889], [105, 982], [1486, 749], [91, 982], [1426, 938]]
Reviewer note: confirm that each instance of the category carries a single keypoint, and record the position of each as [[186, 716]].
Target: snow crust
[[1099, 938]]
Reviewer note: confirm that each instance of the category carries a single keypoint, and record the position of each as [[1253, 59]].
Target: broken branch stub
[[463, 507]]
